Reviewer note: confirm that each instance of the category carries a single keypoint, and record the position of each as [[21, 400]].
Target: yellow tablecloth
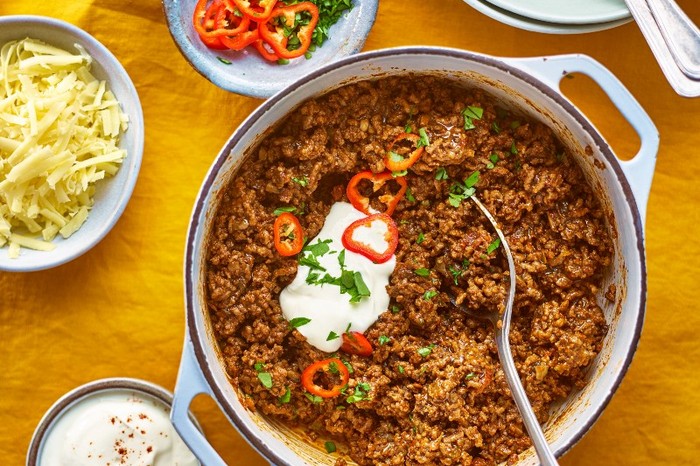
[[118, 310]]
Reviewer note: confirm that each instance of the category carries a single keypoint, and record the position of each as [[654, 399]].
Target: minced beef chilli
[[432, 391]]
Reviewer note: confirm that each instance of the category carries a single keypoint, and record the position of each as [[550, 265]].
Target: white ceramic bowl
[[558, 20], [112, 194], [248, 73], [529, 85], [128, 387]]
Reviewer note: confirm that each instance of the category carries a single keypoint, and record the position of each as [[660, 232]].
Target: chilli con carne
[[430, 390]]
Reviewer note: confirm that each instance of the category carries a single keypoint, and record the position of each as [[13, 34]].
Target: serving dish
[[529, 24], [529, 85], [569, 12], [137, 389], [248, 73], [112, 194]]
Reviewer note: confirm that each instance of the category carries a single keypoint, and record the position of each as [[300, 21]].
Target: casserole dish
[[530, 86]]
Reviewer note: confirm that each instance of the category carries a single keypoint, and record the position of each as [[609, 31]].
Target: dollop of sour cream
[[328, 311], [115, 427]]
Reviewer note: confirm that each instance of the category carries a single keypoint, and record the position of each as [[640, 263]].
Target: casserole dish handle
[[640, 169], [190, 383]]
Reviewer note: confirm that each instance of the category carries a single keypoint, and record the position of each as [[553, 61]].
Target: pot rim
[[196, 335]]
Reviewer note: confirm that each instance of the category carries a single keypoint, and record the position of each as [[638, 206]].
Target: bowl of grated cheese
[[71, 142]]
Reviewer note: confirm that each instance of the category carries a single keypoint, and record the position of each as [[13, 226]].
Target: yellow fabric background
[[118, 310]]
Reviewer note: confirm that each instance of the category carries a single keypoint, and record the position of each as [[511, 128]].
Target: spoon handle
[[532, 425], [680, 34]]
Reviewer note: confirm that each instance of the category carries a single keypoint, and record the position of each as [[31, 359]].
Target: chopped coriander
[[333, 367], [223, 60], [341, 258], [407, 128], [515, 124], [348, 365], [493, 161], [496, 129], [426, 350], [266, 379], [430, 294], [286, 397], [424, 140], [423, 272], [456, 273], [298, 322], [513, 148], [421, 238], [332, 336], [319, 248], [401, 369], [409, 196], [493, 246], [470, 376], [303, 181], [361, 393], [259, 366], [281, 210], [330, 447], [461, 191], [329, 12], [395, 309], [441, 174], [361, 286], [470, 114], [472, 179], [313, 398], [383, 339]]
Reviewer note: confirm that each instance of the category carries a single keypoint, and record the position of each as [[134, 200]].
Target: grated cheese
[[59, 135]]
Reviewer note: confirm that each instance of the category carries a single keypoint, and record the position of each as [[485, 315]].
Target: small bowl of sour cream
[[110, 421]]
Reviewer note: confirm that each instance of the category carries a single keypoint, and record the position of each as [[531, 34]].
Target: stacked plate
[[556, 16]]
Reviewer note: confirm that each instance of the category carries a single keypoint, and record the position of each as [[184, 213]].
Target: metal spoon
[[501, 324]]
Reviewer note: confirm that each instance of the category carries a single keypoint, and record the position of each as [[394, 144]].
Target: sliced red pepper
[[242, 40], [289, 237], [361, 202], [355, 245], [333, 365], [257, 10], [262, 48], [398, 162], [273, 30], [356, 343], [217, 20]]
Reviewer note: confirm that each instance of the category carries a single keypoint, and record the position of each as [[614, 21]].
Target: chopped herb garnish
[[430, 294], [259, 366], [424, 140], [395, 309], [407, 128], [329, 12], [319, 248], [513, 149], [332, 336], [470, 114], [266, 379], [349, 281], [303, 181], [286, 397], [330, 447], [401, 369], [313, 398], [496, 129], [409, 196], [493, 161], [470, 376], [426, 350], [223, 60], [461, 191], [348, 365], [515, 124], [493, 246], [361, 393], [298, 322], [421, 238], [281, 210], [456, 273], [333, 367], [383, 339], [423, 272], [399, 173], [441, 174]]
